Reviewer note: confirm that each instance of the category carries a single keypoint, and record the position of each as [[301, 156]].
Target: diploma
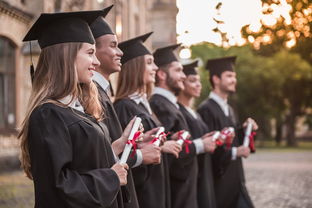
[[183, 137], [247, 134], [131, 140], [157, 138], [216, 136]]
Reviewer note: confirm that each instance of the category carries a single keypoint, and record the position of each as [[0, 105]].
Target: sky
[[196, 17]]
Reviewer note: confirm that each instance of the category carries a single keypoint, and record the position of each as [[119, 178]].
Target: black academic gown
[[205, 189], [115, 131], [71, 157], [229, 178], [183, 171], [150, 180]]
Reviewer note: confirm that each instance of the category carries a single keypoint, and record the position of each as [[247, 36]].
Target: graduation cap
[[190, 69], [219, 65], [165, 55], [100, 27], [54, 28], [63, 27], [134, 47]]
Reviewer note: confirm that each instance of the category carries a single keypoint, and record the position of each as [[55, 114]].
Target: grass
[[16, 190], [271, 146]]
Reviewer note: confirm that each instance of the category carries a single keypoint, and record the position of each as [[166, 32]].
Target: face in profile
[[108, 53], [192, 85], [175, 77], [86, 61], [150, 69], [228, 81]]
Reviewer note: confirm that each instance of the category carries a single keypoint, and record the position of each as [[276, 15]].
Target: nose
[[96, 61], [155, 67], [119, 52]]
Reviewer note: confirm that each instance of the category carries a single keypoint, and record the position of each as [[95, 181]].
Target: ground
[[275, 179]]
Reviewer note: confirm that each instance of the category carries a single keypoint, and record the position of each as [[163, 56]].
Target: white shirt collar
[[141, 98], [191, 111], [221, 102], [75, 104], [100, 79], [167, 94]]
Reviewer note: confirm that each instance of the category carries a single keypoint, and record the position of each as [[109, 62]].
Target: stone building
[[128, 18]]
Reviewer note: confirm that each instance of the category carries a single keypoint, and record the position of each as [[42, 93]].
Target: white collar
[[167, 94], [191, 111], [75, 104], [221, 102], [100, 79], [141, 98]]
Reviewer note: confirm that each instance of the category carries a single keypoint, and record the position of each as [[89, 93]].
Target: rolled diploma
[[184, 136], [126, 152], [215, 136], [247, 134], [160, 130]]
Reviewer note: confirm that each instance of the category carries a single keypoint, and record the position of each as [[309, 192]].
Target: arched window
[[7, 84]]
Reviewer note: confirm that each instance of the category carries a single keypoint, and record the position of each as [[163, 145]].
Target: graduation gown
[[71, 157], [205, 189], [115, 131], [183, 171], [229, 176], [151, 181]]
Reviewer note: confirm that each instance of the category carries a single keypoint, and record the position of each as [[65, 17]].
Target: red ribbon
[[133, 142], [187, 143], [252, 141], [228, 138], [161, 134]]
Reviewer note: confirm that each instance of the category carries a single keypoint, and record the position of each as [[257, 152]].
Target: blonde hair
[[55, 78], [131, 79]]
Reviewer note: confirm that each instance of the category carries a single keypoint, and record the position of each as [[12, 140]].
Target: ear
[[161, 75], [216, 80]]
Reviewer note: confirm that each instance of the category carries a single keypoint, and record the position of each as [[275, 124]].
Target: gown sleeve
[[51, 153]]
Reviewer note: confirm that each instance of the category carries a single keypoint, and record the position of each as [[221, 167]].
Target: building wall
[[128, 18]]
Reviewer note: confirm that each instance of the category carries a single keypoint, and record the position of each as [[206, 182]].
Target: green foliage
[[268, 87]]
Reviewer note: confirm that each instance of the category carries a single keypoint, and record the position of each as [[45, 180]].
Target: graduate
[[135, 83], [66, 149], [228, 169], [183, 170], [109, 55], [192, 88]]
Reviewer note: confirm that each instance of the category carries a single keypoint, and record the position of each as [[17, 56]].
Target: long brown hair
[[55, 78], [131, 79]]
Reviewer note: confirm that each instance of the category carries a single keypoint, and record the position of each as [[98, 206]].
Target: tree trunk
[[290, 130], [279, 131]]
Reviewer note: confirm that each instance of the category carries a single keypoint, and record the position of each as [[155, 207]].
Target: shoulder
[[49, 112], [124, 102]]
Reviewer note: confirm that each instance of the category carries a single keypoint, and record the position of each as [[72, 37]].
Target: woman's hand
[[171, 147], [121, 171]]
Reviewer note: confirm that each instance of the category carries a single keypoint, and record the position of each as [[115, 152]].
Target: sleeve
[[51, 153], [221, 158]]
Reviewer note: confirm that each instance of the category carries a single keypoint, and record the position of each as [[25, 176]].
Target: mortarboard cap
[[100, 27], [219, 65], [165, 55], [190, 69], [63, 27], [134, 47]]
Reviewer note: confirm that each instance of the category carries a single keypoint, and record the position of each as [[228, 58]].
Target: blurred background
[[271, 38]]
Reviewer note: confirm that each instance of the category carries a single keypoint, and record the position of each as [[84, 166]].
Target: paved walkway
[[280, 179], [274, 180]]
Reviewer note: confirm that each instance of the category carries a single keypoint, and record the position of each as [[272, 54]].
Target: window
[[7, 84]]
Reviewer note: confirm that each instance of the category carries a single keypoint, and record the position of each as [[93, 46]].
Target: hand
[[175, 136], [149, 135], [209, 145], [119, 145], [151, 154], [254, 124], [171, 147], [121, 171], [243, 151]]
